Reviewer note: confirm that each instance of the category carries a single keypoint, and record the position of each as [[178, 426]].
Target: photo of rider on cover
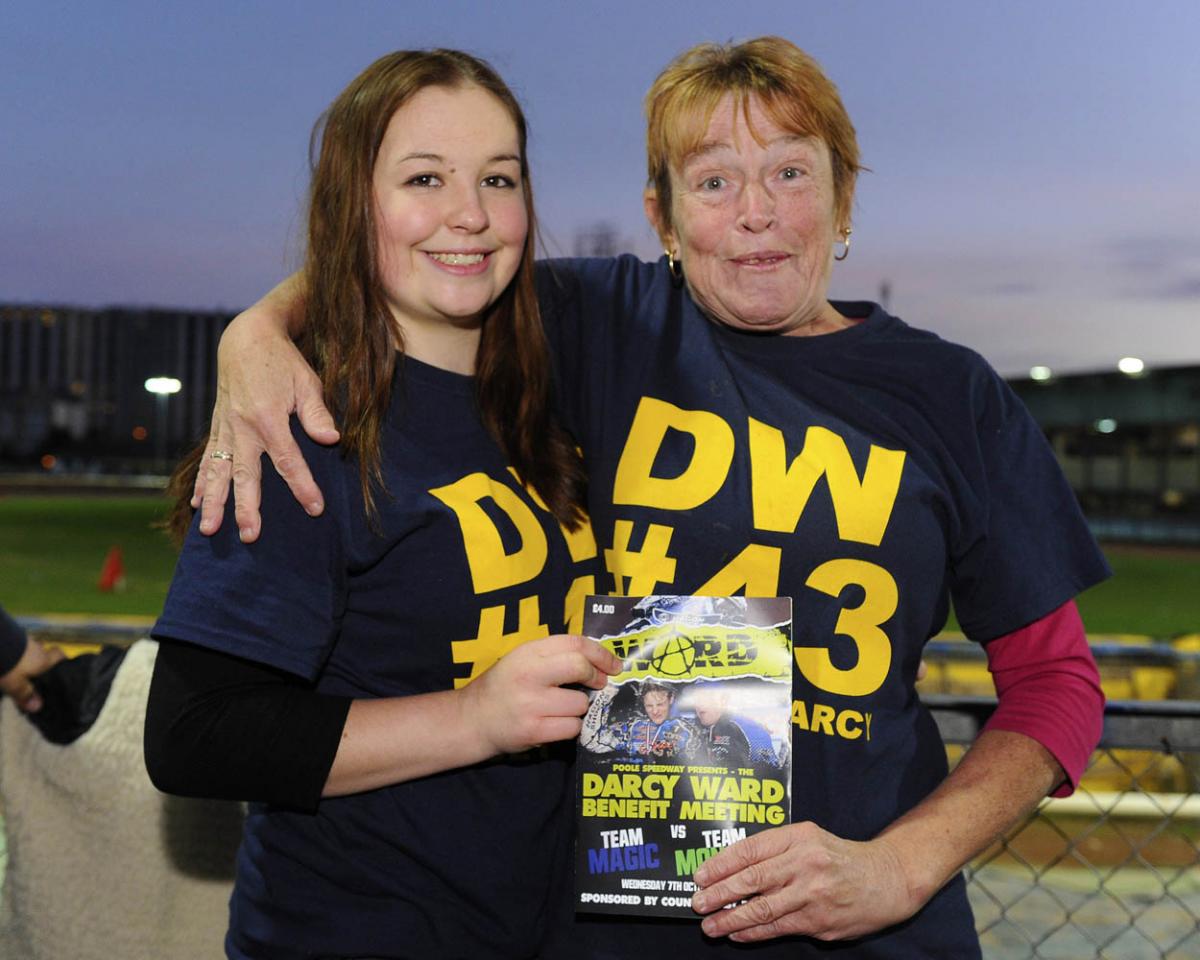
[[700, 721]]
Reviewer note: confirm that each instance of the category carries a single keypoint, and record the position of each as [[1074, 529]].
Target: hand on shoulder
[[262, 379]]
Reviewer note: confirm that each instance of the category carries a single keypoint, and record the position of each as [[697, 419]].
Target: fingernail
[[205, 526], [315, 508], [700, 903], [245, 533]]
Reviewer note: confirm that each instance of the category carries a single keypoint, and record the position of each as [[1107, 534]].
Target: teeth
[[458, 259]]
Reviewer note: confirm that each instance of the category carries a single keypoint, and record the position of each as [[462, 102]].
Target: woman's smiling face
[[752, 223], [449, 208]]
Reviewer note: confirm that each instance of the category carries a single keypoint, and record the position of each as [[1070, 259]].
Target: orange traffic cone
[[112, 574]]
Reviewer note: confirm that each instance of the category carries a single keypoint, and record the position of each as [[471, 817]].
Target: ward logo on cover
[[674, 656]]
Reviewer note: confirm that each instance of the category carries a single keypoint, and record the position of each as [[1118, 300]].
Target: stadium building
[[1130, 446], [72, 385], [73, 399]]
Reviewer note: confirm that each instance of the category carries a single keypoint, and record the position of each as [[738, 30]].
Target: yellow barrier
[[1115, 770]]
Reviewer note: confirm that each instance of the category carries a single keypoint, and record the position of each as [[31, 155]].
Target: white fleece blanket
[[100, 864]]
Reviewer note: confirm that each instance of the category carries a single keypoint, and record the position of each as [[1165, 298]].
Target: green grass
[[1152, 592], [52, 548], [1155, 592]]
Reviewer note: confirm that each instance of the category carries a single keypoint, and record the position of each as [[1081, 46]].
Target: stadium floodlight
[[1040, 373], [161, 387], [1131, 366], [1106, 425]]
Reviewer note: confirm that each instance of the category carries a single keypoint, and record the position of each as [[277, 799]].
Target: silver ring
[[221, 455]]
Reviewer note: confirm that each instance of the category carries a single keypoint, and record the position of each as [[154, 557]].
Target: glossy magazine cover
[[686, 751]]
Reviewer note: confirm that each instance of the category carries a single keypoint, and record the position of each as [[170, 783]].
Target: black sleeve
[[221, 727]]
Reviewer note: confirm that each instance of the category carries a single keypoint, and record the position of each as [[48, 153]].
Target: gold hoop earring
[[674, 267], [846, 248]]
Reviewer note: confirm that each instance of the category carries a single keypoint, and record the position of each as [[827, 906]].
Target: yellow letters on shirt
[[700, 479], [640, 561], [491, 642], [491, 567], [581, 542], [581, 545], [780, 492], [754, 572], [861, 624]]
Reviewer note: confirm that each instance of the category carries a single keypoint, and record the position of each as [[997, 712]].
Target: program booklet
[[686, 751]]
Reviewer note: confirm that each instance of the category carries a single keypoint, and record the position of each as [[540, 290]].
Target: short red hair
[[790, 86]]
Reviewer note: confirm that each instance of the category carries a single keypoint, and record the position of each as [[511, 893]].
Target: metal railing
[[1112, 872], [86, 631]]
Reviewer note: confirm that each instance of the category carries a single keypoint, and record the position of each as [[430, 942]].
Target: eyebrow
[[438, 158], [712, 146]]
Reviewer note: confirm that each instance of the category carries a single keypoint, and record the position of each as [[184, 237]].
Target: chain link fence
[[1112, 872]]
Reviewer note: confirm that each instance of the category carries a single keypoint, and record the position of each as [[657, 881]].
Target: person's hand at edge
[[18, 682]]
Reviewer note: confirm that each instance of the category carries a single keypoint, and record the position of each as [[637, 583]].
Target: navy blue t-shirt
[[464, 565], [12, 642], [872, 474]]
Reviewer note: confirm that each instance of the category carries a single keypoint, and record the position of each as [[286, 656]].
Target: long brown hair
[[349, 334]]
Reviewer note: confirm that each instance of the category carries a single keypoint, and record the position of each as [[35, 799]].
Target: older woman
[[743, 433]]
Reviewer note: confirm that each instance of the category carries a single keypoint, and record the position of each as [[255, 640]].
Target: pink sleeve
[[1048, 688]]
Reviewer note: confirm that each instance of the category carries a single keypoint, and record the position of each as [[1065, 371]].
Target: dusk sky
[[1035, 166]]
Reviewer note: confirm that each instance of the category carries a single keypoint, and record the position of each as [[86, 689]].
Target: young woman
[[380, 680]]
